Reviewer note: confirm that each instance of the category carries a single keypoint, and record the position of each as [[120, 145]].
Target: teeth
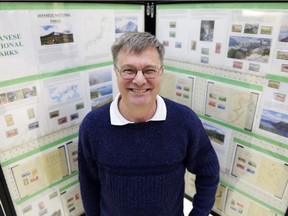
[[139, 90]]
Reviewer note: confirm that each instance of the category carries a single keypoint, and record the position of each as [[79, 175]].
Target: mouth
[[139, 90]]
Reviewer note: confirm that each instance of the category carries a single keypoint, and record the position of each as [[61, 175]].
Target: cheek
[[156, 87], [121, 83], [157, 83]]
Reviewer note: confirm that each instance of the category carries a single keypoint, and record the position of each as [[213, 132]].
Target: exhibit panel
[[233, 58], [56, 66]]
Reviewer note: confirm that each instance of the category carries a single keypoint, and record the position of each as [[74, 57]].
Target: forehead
[[137, 50], [149, 54]]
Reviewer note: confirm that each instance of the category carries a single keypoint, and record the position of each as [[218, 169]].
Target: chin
[[141, 101]]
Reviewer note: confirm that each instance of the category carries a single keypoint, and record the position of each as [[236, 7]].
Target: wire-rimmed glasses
[[129, 72]]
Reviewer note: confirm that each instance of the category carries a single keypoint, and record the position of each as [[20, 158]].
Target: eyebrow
[[130, 65]]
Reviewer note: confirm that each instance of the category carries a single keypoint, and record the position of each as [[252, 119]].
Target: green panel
[[248, 133], [25, 199], [277, 78], [69, 185], [216, 78], [255, 199], [42, 148], [257, 148], [52, 74]]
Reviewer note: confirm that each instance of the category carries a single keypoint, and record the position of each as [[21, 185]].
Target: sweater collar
[[117, 119]]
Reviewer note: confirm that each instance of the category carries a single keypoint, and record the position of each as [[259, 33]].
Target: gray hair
[[136, 42]]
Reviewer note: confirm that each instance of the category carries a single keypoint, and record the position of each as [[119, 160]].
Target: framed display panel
[[236, 54], [56, 66]]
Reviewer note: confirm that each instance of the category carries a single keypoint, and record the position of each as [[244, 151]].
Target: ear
[[161, 70]]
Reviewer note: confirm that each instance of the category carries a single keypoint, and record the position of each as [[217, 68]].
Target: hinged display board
[[56, 66], [229, 63]]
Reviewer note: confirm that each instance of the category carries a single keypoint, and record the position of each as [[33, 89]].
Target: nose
[[139, 79]]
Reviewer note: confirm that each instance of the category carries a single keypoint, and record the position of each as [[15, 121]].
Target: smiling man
[[133, 152]]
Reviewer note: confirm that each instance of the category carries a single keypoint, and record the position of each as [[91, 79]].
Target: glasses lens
[[130, 72], [150, 72]]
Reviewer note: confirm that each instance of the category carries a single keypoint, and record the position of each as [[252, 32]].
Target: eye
[[150, 71], [129, 71]]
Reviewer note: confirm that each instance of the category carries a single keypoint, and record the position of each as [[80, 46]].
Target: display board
[[56, 66], [228, 62]]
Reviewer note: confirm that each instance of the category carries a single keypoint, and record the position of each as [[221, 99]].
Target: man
[[133, 153]]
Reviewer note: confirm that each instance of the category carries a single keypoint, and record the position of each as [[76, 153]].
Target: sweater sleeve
[[203, 162], [88, 176]]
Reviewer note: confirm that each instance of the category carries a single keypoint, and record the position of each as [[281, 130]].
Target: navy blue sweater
[[138, 169]]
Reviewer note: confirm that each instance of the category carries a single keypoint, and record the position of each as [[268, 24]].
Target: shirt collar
[[117, 119]]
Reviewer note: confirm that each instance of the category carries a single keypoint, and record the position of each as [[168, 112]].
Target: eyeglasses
[[129, 73]]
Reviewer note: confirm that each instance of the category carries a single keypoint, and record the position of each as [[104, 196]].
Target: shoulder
[[97, 116], [170, 103], [177, 112]]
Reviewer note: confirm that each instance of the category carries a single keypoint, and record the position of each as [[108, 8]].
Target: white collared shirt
[[118, 119]]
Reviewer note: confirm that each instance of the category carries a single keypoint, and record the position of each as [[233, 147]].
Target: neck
[[136, 114]]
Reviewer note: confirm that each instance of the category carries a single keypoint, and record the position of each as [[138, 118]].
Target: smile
[[139, 90]]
